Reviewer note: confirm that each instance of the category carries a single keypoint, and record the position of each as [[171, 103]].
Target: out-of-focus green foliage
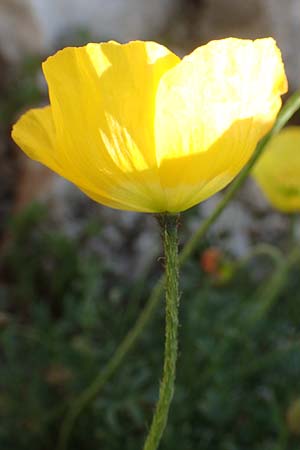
[[20, 90], [63, 313]]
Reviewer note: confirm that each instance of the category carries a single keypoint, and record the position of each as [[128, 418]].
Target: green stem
[[90, 393], [263, 250], [169, 226], [266, 296], [292, 235]]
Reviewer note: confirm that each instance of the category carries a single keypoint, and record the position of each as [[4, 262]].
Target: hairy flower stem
[[169, 225], [79, 404]]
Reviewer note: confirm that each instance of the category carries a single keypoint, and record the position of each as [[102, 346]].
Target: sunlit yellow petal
[[137, 129], [103, 101], [35, 134], [278, 170], [212, 109]]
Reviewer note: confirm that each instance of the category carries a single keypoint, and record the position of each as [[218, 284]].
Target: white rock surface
[[284, 17], [231, 230], [36, 25], [20, 31]]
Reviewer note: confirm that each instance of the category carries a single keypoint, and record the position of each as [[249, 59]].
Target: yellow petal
[[212, 109], [35, 134], [278, 170], [135, 128], [103, 102]]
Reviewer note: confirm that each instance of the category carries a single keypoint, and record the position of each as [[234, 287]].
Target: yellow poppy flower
[[136, 128], [278, 170]]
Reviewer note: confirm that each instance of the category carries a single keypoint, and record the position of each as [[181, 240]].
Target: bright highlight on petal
[[278, 170], [136, 128]]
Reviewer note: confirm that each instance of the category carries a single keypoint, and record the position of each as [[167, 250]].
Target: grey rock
[[285, 25], [37, 25], [231, 230]]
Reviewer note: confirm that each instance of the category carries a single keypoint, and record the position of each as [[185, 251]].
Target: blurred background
[[74, 275]]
